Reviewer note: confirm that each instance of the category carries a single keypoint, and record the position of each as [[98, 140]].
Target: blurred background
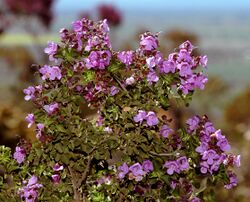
[[220, 29]]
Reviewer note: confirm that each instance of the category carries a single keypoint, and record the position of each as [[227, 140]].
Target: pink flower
[[19, 154], [30, 119], [51, 109], [51, 73]]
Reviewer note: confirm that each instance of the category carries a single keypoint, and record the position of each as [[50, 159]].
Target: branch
[[77, 194], [86, 172], [164, 154]]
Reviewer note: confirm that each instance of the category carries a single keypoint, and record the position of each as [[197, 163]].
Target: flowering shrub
[[128, 152]]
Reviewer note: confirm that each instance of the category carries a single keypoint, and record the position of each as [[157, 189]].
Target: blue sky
[[78, 5]]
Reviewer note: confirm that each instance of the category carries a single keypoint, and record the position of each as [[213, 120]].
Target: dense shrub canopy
[[128, 152]]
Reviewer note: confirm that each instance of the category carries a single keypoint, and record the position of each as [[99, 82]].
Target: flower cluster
[[213, 146], [29, 193], [181, 164], [135, 171], [150, 117]]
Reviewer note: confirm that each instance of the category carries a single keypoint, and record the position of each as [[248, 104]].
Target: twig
[[164, 154]]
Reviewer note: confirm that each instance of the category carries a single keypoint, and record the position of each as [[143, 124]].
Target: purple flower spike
[[147, 166], [152, 119], [30, 119], [19, 155]]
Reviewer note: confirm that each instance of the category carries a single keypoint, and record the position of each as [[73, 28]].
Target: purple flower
[[172, 166], [193, 123], [51, 108], [165, 131], [147, 166], [168, 66], [222, 141], [185, 69], [195, 200], [199, 81], [152, 77], [40, 128], [104, 179], [152, 119], [51, 50], [148, 43], [108, 130], [104, 26], [187, 45], [125, 57], [140, 116], [114, 90], [210, 156], [57, 167], [183, 163], [204, 167], [29, 93], [202, 148], [209, 128], [151, 62], [203, 61], [185, 57], [223, 144], [137, 170], [19, 155], [123, 170], [29, 193], [99, 121], [233, 181], [98, 59], [30, 118], [56, 178], [77, 26], [236, 161], [51, 73], [130, 81]]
